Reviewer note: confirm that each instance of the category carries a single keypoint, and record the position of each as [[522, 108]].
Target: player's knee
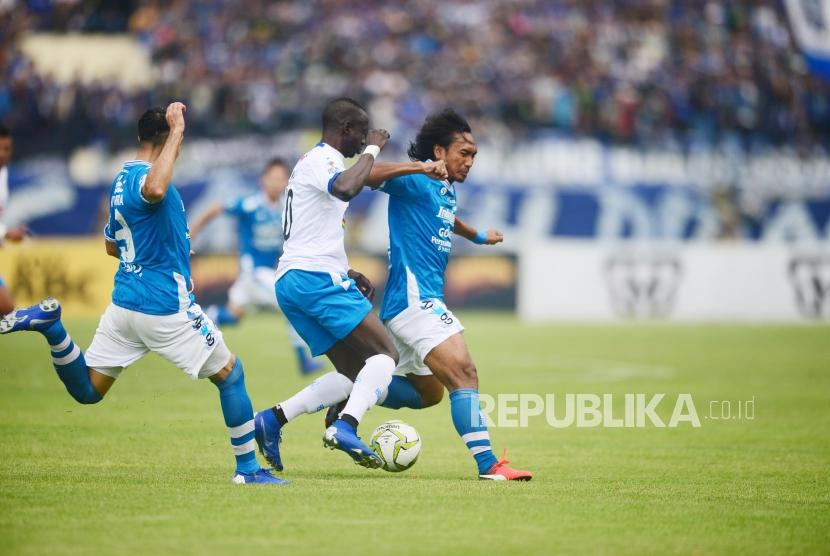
[[464, 374], [391, 352], [6, 306], [432, 397]]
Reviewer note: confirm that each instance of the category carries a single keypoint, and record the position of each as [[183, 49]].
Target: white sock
[[371, 382], [296, 339], [330, 389]]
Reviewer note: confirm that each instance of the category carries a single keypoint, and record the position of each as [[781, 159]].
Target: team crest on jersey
[[331, 167]]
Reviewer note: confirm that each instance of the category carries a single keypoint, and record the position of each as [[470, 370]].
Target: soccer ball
[[397, 445]]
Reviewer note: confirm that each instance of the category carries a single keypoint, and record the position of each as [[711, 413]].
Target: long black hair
[[438, 129]]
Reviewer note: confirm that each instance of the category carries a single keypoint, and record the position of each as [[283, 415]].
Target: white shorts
[[254, 288], [188, 339], [417, 330]]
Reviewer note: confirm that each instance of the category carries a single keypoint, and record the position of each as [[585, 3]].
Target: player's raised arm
[[350, 182], [215, 210], [383, 171], [490, 237], [158, 179]]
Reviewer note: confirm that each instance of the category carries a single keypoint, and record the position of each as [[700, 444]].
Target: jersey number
[[125, 235], [288, 216]]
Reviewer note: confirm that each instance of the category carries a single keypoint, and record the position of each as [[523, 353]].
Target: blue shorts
[[2, 282], [323, 308]]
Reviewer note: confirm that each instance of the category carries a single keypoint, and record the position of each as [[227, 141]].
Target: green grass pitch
[[148, 470]]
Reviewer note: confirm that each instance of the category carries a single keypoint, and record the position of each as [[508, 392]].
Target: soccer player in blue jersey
[[259, 231], [427, 335], [152, 306], [321, 296]]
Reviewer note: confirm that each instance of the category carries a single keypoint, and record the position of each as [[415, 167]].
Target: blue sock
[[221, 316], [70, 365], [302, 355], [239, 418], [470, 424], [401, 393]]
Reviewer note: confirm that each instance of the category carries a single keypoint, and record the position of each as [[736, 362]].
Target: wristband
[[481, 238], [373, 150]]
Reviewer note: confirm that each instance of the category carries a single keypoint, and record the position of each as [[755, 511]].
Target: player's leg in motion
[[306, 363], [225, 315], [450, 361], [6, 299], [364, 361], [239, 418], [84, 384]]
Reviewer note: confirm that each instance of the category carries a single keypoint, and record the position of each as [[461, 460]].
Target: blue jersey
[[259, 230], [421, 221], [153, 244]]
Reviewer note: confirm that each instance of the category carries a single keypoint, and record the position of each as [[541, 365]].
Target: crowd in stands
[[670, 73]]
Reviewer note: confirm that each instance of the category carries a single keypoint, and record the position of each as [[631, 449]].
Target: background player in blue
[[321, 296], [152, 308], [259, 233], [428, 336]]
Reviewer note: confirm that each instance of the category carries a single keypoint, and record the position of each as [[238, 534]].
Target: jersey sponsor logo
[[810, 278], [643, 286], [131, 267], [199, 325], [446, 214], [443, 245], [436, 307]]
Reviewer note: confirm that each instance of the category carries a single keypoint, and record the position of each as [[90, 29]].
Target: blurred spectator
[[678, 73]]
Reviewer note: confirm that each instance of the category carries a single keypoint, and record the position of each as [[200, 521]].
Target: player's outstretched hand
[[175, 116], [436, 170], [494, 237], [363, 284], [17, 234], [377, 137]]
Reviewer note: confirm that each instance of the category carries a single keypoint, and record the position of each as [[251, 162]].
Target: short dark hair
[[5, 131], [438, 129], [341, 110], [276, 161], [152, 126]]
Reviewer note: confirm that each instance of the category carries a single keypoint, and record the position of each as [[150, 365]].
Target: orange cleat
[[502, 472]]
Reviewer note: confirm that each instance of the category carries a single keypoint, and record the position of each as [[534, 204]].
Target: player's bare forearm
[[435, 169], [490, 237], [160, 175], [158, 179], [383, 171], [350, 182], [214, 211], [112, 249], [463, 229]]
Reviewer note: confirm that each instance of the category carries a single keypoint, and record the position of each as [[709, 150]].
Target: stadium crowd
[[681, 73]]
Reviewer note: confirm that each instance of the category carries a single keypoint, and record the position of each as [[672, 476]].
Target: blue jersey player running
[[427, 335], [322, 297], [259, 233], [152, 308]]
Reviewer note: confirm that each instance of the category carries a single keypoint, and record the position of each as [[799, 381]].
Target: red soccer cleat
[[502, 472]]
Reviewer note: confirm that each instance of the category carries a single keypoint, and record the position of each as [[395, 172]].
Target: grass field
[[147, 471]]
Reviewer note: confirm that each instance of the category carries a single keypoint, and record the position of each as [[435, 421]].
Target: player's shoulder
[[415, 184], [250, 202]]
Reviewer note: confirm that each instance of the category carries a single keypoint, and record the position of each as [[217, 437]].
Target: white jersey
[[312, 219]]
